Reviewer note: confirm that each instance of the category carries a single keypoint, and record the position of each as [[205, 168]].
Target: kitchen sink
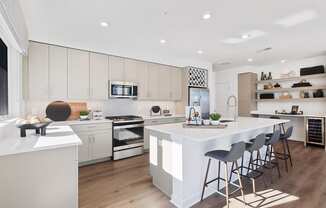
[[226, 121]]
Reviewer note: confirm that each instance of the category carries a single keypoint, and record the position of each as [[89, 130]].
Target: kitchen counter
[[177, 155], [242, 125], [78, 122], [163, 117], [58, 136], [287, 115], [33, 165]]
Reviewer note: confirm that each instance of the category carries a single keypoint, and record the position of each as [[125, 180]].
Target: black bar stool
[[236, 152], [270, 143], [286, 154], [252, 169]]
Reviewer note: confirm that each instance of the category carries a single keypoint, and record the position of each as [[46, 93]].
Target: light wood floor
[[127, 184]]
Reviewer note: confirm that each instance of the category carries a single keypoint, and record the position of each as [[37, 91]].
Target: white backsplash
[[109, 107]]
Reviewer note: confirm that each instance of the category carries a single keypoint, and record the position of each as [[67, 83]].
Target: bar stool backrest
[[236, 152], [259, 142], [288, 132], [275, 137]]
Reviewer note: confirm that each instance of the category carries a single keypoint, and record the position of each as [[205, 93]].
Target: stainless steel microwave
[[118, 89]]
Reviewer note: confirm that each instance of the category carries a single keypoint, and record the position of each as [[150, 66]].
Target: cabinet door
[[58, 72], [83, 150], [102, 145], [131, 69], [142, 80], [116, 68], [78, 74], [176, 83], [38, 67], [164, 83], [99, 76], [153, 81]]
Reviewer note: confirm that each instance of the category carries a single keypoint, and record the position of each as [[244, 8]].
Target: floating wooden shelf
[[314, 76], [293, 100], [291, 89]]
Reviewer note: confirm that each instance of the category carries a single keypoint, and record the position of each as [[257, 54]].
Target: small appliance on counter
[[97, 115], [156, 111]]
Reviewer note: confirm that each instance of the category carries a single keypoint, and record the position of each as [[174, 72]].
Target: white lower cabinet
[[97, 142], [159, 121]]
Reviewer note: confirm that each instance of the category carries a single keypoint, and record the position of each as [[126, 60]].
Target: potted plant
[[83, 115], [215, 117]]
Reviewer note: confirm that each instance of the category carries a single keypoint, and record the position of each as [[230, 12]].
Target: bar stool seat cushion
[[218, 154]]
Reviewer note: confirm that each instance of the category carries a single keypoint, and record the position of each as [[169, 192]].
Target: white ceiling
[[137, 26]]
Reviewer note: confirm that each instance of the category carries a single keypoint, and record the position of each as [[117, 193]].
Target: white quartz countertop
[[288, 115], [58, 136], [242, 125], [78, 122], [163, 117]]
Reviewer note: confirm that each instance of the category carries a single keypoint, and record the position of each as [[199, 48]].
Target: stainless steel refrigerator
[[199, 97]]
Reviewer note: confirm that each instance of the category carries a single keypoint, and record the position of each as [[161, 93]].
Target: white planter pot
[[215, 123]]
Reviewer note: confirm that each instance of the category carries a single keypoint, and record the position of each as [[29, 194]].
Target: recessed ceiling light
[[206, 16], [250, 60], [104, 24], [245, 36], [162, 41], [283, 61], [200, 52]]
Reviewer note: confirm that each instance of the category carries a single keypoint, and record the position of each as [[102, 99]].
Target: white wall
[[226, 84]]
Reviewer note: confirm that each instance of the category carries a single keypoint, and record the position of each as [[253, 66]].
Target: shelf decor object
[[294, 78]]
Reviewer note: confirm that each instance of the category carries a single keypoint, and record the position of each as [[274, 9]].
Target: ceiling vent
[[264, 50]]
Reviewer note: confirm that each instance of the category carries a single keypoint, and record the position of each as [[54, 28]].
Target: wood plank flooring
[[127, 184]]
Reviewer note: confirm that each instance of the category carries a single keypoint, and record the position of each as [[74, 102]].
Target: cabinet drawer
[[92, 127]]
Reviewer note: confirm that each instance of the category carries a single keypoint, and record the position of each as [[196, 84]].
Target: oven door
[[128, 138]]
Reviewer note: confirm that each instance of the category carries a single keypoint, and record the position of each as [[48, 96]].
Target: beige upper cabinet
[[38, 68], [176, 83], [142, 80], [131, 70], [58, 72], [164, 83], [116, 68], [78, 74], [153, 81], [99, 76]]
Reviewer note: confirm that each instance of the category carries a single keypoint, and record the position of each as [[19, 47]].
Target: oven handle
[[129, 126]]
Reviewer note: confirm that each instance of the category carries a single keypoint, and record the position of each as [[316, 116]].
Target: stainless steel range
[[128, 136]]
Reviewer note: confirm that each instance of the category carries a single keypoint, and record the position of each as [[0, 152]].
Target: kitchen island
[[38, 171], [177, 161]]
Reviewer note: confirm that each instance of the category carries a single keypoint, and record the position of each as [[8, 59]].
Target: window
[[3, 79]]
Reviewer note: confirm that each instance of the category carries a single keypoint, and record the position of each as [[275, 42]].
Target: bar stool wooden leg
[[218, 175], [204, 186], [226, 185], [276, 162], [289, 153], [285, 156], [240, 183], [232, 167]]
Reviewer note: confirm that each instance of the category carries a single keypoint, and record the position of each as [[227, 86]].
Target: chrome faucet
[[233, 102]]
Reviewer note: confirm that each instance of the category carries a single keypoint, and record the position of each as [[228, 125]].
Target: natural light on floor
[[264, 199]]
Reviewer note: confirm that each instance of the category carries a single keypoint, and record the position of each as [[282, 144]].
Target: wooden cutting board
[[76, 107]]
